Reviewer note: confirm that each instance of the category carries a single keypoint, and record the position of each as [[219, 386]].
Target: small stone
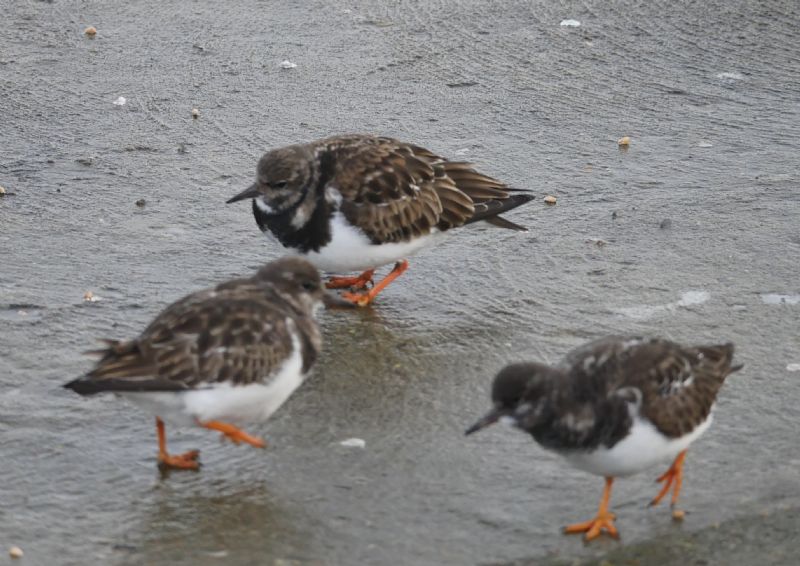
[[353, 443], [792, 367], [2, 191], [195, 113], [141, 202], [570, 23], [120, 101], [624, 141], [90, 297], [550, 199], [615, 215], [15, 552], [705, 144], [91, 31], [678, 514], [666, 224], [287, 65]]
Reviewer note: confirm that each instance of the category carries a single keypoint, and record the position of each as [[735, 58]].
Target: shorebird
[[357, 202], [219, 357], [615, 407]]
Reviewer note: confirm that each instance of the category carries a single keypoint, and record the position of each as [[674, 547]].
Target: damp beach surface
[[120, 148]]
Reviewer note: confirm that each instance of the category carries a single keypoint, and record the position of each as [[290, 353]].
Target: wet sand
[[706, 91]]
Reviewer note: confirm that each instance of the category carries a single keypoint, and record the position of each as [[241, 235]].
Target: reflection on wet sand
[[233, 523]]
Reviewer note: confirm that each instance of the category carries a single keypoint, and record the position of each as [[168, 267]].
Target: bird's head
[[298, 282], [283, 177], [519, 393]]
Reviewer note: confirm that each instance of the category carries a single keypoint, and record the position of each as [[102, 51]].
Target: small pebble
[[665, 224], [2, 191], [353, 443], [570, 23], [120, 101], [550, 199], [705, 144], [195, 113], [91, 31], [89, 297], [141, 202], [15, 552], [624, 141], [678, 514], [287, 65]]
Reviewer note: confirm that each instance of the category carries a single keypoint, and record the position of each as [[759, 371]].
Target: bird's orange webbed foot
[[672, 478], [185, 461], [593, 528], [234, 434], [603, 521], [364, 299], [359, 282]]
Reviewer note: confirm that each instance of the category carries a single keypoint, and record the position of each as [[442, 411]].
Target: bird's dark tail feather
[[84, 386], [89, 386], [721, 356], [490, 210]]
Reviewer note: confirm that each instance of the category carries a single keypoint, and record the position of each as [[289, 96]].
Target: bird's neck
[[304, 226]]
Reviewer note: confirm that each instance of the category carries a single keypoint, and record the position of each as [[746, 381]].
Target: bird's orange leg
[[672, 478], [363, 299], [185, 461], [233, 433], [359, 282], [603, 521]]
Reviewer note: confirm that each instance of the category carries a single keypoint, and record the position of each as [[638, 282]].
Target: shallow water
[[708, 94]]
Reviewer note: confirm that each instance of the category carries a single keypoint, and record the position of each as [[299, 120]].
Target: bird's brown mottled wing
[[392, 194], [677, 385], [682, 386], [395, 191], [225, 337]]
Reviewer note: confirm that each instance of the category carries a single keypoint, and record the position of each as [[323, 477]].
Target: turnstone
[[615, 407], [221, 356], [357, 202]]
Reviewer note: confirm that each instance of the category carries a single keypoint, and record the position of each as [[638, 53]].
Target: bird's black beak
[[249, 192], [332, 301], [488, 419]]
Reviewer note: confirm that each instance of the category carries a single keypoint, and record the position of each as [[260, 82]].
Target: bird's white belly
[[224, 401], [351, 250], [644, 447]]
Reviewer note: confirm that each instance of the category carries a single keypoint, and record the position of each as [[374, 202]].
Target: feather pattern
[[391, 191], [240, 332], [593, 398]]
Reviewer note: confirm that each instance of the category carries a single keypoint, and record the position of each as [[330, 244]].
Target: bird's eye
[[309, 286], [279, 185]]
